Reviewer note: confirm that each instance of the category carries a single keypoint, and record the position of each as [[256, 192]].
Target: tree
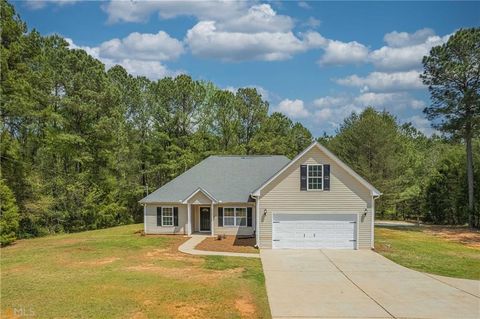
[[9, 215], [452, 73], [373, 145]]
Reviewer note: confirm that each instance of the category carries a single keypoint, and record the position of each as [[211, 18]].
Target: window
[[229, 216], [167, 216], [235, 216], [241, 216], [315, 177]]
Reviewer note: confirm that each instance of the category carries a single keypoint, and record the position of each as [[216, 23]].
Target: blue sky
[[314, 61]]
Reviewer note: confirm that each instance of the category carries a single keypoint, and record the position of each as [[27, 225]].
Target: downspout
[[374, 197], [257, 220]]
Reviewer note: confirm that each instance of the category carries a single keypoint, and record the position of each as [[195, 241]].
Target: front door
[[205, 219]]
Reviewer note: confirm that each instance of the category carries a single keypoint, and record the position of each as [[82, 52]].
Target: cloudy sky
[[314, 61]]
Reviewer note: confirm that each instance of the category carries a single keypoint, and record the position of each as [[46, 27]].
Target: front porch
[[200, 214], [201, 219]]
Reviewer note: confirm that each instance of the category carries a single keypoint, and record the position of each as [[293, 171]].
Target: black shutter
[[326, 177], [159, 216], [303, 177], [249, 216], [220, 216], [175, 216]]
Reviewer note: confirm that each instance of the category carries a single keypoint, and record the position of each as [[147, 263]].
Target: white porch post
[[212, 221], [189, 219]]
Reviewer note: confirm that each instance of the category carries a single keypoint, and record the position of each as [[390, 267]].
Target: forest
[[80, 144]]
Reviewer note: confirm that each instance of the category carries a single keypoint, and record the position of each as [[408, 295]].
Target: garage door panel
[[336, 231]]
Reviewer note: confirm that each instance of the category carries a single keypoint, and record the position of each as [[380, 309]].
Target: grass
[[116, 273], [421, 249]]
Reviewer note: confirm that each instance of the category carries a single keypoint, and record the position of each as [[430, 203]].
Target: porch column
[[212, 221], [189, 219]]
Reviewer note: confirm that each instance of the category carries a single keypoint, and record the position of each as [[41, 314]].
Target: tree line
[[80, 145]]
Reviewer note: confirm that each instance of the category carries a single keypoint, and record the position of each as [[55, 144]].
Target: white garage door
[[304, 231]]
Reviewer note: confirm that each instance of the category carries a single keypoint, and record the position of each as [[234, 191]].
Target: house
[[312, 201]]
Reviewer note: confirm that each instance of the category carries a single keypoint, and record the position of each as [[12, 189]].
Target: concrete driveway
[[360, 284]]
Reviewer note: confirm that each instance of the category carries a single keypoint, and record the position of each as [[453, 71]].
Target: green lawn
[[116, 273], [414, 248]]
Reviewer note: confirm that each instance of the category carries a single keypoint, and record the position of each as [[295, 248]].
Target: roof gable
[[373, 190]]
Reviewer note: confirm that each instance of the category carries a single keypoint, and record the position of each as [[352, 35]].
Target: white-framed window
[[315, 177], [234, 216], [229, 216], [167, 216]]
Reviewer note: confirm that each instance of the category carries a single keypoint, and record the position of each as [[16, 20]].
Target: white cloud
[[340, 53], [259, 18], [292, 108], [334, 114], [422, 124], [402, 39], [142, 46], [330, 101], [331, 110], [205, 40], [304, 5], [136, 66], [388, 100], [382, 82], [312, 23], [404, 57], [404, 51], [40, 4], [140, 11]]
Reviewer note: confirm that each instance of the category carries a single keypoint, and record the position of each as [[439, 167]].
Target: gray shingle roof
[[226, 178]]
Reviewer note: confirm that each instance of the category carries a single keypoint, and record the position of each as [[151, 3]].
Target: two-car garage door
[[310, 231]]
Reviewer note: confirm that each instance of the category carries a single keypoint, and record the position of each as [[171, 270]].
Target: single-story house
[[312, 201]]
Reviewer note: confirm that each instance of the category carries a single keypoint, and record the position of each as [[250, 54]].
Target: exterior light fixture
[[265, 212]]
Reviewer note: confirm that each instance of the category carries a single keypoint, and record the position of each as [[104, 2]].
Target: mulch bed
[[231, 244]]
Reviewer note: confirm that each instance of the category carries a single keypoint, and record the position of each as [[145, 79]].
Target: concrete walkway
[[188, 247], [360, 284]]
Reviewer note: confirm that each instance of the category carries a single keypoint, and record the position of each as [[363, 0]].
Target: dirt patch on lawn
[[99, 262], [229, 244], [461, 235], [245, 307], [188, 273], [189, 310]]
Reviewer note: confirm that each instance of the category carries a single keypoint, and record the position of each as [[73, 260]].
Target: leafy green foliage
[[452, 73], [81, 145], [9, 215], [418, 176]]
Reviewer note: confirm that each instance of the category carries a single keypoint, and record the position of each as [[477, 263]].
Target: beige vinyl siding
[[200, 198], [346, 195], [151, 220], [233, 230]]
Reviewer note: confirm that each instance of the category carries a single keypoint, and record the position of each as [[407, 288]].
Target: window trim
[[308, 176], [235, 217], [173, 213]]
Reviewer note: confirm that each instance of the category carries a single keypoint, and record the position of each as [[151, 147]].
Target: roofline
[[210, 196], [373, 190]]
